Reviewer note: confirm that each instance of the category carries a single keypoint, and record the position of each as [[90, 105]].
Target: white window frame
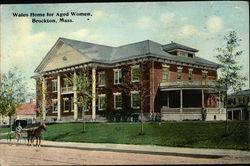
[[53, 106], [132, 93], [117, 94], [165, 66], [132, 73], [65, 99], [99, 80], [179, 69], [119, 71], [54, 82], [191, 72], [99, 103]]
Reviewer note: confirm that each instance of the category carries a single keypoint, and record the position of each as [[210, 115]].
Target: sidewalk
[[243, 156]]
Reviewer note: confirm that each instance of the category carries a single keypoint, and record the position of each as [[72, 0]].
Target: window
[[241, 100], [54, 85], [67, 82], [135, 71], [117, 100], [165, 73], [54, 105], [190, 76], [183, 54], [66, 104], [117, 76], [101, 102], [135, 99], [190, 55], [204, 77], [179, 75], [101, 78]]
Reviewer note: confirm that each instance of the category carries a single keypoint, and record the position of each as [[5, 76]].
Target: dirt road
[[27, 155]]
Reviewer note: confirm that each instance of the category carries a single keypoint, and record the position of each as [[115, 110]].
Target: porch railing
[[209, 83], [67, 89], [167, 110]]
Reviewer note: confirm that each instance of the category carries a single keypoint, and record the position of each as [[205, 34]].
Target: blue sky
[[200, 25]]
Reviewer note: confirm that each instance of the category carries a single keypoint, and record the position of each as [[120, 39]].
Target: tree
[[13, 92], [82, 85], [42, 89], [230, 78]]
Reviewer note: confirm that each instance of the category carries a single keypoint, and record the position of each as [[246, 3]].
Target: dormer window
[[183, 54], [190, 55]]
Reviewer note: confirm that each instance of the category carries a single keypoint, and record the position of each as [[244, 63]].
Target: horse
[[36, 133]]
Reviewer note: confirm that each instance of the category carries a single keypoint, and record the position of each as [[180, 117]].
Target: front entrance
[[79, 112]]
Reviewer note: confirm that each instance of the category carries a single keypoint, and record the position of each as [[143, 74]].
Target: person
[[18, 132]]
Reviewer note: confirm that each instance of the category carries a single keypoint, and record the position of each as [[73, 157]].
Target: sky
[[200, 25]]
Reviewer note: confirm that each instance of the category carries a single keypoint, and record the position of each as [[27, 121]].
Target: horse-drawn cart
[[19, 129]]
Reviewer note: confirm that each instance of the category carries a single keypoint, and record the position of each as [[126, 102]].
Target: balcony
[[188, 84], [67, 90]]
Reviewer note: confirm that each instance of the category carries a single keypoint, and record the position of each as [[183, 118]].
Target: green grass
[[4, 130], [177, 134]]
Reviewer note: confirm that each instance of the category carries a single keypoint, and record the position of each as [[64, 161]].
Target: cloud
[[167, 18], [214, 24], [145, 22], [86, 35], [81, 33], [100, 15], [22, 40], [187, 31]]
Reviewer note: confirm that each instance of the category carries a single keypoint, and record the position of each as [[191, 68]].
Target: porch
[[191, 101]]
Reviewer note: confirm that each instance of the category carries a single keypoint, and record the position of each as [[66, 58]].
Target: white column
[[93, 93], [202, 98], [241, 117], [58, 98], [75, 98], [44, 97]]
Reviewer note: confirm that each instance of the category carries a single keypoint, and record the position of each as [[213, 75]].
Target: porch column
[[181, 101], [219, 104], [58, 98], [44, 89], [93, 93], [75, 98], [241, 117]]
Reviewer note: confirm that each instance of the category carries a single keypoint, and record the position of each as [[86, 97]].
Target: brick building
[[169, 80]]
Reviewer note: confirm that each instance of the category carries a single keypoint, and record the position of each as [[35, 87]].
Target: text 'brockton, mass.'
[[66, 17]]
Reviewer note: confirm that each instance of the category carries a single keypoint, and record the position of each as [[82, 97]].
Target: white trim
[[54, 100], [99, 96], [119, 71], [54, 81], [179, 68], [116, 94], [204, 71], [132, 68], [65, 99], [131, 98], [99, 73], [165, 65]]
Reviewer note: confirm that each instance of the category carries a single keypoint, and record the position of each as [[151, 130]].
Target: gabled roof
[[174, 45], [109, 54], [26, 109]]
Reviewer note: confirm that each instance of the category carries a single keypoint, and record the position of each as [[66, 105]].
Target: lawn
[[176, 134], [4, 130]]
